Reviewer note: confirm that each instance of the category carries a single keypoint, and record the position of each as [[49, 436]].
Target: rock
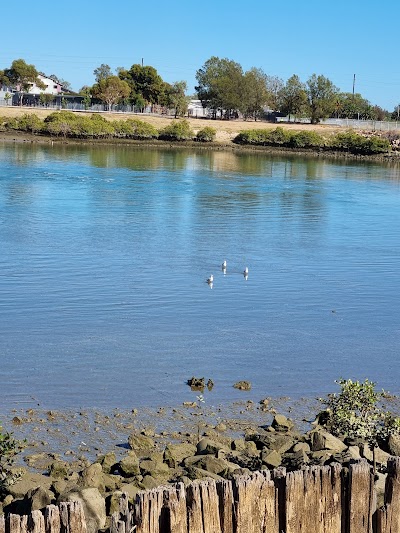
[[381, 457], [111, 482], [216, 466], [321, 457], [271, 458], [112, 502], [131, 490], [298, 459], [394, 444], [301, 446], [322, 440], [38, 498], [196, 384], [354, 452], [94, 507], [58, 469], [92, 476], [107, 462], [175, 453], [154, 468], [207, 446], [139, 442], [28, 482], [149, 483], [198, 473], [40, 461], [282, 423], [220, 427], [129, 465], [59, 486], [242, 385]]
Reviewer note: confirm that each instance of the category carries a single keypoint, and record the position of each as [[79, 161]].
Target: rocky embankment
[[145, 464]]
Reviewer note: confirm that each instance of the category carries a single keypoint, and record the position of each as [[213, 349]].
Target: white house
[[52, 86]]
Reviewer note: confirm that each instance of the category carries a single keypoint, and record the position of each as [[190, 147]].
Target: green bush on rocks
[[178, 130], [206, 134]]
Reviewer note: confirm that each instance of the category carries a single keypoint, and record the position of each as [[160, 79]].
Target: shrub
[[306, 139], [276, 137], [206, 134], [355, 412], [9, 448], [358, 144], [177, 131], [143, 130]]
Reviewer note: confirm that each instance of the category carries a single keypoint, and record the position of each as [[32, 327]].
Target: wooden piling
[[361, 498], [388, 517]]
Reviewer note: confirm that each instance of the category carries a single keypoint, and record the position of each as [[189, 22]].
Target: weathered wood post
[[255, 503], [2, 524], [225, 496], [203, 507], [313, 500], [175, 504], [388, 518], [148, 510], [361, 498], [52, 519], [72, 518]]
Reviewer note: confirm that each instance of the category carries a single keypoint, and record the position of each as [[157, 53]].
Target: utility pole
[[354, 83], [142, 62]]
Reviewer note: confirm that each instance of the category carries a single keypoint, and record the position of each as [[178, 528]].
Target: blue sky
[[337, 39]]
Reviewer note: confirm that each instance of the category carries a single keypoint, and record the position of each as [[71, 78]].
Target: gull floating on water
[[246, 271], [224, 265], [210, 279]]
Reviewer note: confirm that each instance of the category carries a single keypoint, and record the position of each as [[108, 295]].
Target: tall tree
[[293, 97], [102, 72], [111, 90], [321, 95], [254, 93], [144, 81], [23, 76], [220, 85], [274, 88]]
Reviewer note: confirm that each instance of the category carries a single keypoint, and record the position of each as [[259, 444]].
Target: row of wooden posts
[[327, 499]]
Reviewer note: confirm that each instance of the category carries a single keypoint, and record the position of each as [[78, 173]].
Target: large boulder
[[139, 442], [323, 440], [107, 462], [28, 482], [94, 507], [282, 423], [129, 465], [208, 446], [174, 454], [271, 458], [156, 469], [381, 456], [92, 476]]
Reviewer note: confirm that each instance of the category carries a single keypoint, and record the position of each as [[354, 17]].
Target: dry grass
[[226, 130]]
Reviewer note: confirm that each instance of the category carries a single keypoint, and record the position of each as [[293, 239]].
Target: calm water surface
[[104, 253]]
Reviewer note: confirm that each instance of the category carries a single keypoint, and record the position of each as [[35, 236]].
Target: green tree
[[86, 92], [220, 83], [7, 97], [274, 89], [354, 106], [102, 72], [176, 98], [22, 76], [254, 93], [321, 95], [144, 81], [46, 99], [293, 97], [111, 90]]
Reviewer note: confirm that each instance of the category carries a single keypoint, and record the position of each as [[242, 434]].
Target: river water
[[105, 252]]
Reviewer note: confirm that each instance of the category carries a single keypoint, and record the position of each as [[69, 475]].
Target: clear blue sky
[[336, 39]]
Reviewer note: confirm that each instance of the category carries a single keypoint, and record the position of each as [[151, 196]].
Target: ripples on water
[[105, 253]]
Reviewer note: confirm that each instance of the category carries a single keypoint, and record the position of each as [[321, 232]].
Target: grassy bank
[[66, 125]]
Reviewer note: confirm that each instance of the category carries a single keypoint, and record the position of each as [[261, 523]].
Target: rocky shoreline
[[95, 456]]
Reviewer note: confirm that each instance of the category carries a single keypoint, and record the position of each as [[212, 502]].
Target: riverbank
[[200, 134], [18, 137]]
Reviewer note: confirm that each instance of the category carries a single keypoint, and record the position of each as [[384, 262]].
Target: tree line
[[222, 86]]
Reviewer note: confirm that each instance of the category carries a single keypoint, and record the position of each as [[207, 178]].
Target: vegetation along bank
[[69, 125]]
